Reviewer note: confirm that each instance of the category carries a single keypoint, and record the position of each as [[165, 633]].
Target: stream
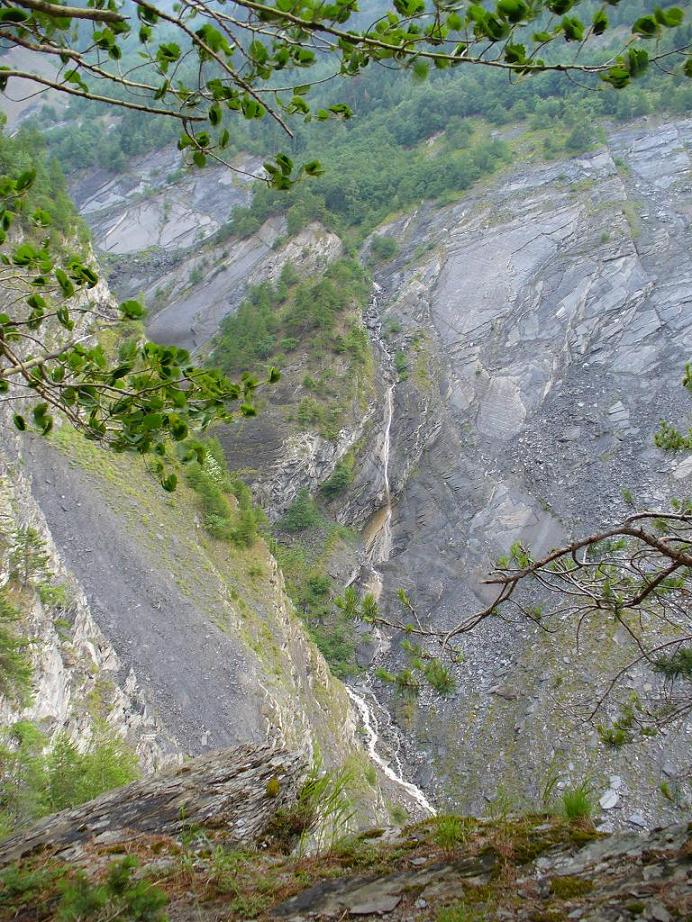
[[378, 542], [372, 739]]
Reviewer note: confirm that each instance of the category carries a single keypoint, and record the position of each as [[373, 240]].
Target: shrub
[[401, 365], [340, 478], [55, 596], [383, 248], [119, 897], [213, 484], [302, 513], [217, 514]]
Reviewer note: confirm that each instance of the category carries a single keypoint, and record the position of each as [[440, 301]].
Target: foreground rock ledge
[[228, 791]]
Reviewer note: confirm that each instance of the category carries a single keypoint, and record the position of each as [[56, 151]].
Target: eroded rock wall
[[546, 321]]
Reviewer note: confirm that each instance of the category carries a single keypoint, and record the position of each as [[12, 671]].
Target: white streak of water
[[371, 740]]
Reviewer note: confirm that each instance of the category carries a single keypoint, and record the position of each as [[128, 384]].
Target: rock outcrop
[[211, 841], [625, 876], [235, 793]]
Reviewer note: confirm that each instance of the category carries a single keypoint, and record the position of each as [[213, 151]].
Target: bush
[[580, 138], [119, 897], [383, 248], [401, 365], [213, 483], [302, 513], [340, 478]]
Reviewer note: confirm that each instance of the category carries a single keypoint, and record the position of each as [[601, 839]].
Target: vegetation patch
[[39, 776], [566, 888]]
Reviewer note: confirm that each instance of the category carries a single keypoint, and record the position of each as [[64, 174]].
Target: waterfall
[[379, 542], [378, 545]]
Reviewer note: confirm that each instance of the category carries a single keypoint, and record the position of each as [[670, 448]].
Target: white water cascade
[[379, 541], [372, 737]]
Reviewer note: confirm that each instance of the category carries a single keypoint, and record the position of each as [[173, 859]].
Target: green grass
[[576, 803], [450, 832]]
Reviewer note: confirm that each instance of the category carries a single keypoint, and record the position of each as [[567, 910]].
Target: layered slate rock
[[546, 319], [621, 877], [235, 793]]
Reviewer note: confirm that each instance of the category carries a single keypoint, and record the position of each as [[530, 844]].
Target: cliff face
[[139, 620], [203, 631], [78, 677], [545, 320]]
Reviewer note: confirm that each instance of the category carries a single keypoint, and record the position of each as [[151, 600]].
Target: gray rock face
[[153, 203], [229, 792], [194, 309], [553, 312], [199, 679]]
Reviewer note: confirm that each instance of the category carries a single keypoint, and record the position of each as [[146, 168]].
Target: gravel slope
[[196, 678]]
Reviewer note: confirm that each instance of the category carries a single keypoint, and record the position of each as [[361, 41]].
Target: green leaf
[[132, 310], [514, 10], [637, 61], [14, 15], [515, 54], [670, 18], [573, 29], [420, 69], [646, 26], [599, 22], [559, 7], [313, 168], [167, 54], [215, 114], [19, 422]]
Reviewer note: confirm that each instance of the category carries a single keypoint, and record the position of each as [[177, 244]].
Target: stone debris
[[609, 799]]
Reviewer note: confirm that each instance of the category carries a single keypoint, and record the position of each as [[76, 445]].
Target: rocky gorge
[[523, 342]]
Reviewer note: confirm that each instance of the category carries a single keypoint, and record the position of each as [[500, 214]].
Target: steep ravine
[[544, 320]]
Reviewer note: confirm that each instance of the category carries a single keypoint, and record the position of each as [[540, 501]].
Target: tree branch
[[73, 12]]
